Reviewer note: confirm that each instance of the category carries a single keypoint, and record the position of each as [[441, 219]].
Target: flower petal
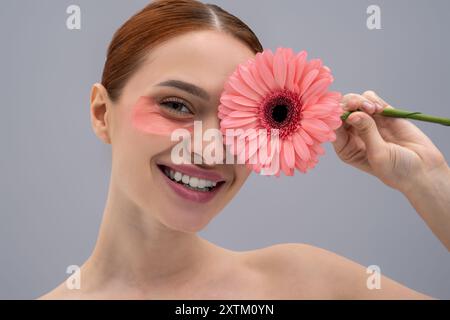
[[258, 79], [241, 87], [237, 122], [312, 125], [244, 101], [321, 108], [279, 68], [249, 79], [300, 147], [241, 114], [283, 162], [317, 88], [300, 164], [306, 137], [290, 77], [265, 72], [331, 97], [308, 80], [289, 153], [223, 111], [313, 64], [300, 66], [318, 149], [334, 123], [230, 104]]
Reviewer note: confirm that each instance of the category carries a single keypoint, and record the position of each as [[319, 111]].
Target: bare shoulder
[[61, 292], [303, 271], [54, 294]]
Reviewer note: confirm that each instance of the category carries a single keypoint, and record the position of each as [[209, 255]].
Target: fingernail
[[369, 106]]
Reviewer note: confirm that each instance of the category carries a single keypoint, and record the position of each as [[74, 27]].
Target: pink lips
[[193, 195]]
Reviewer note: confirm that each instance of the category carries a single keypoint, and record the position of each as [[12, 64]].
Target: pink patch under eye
[[149, 118]]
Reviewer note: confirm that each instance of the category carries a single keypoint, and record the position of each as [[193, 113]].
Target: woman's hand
[[392, 149]]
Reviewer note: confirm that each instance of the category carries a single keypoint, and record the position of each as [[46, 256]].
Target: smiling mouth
[[190, 182]]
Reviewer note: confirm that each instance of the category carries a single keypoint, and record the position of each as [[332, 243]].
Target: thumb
[[366, 128]]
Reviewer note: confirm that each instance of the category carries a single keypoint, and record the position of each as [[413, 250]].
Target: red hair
[[158, 22]]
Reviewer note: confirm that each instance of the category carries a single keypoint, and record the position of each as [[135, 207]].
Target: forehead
[[205, 58]]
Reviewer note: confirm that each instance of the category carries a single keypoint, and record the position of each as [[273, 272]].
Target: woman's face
[[141, 121]]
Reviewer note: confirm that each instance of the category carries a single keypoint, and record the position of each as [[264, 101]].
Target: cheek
[[147, 118], [242, 173]]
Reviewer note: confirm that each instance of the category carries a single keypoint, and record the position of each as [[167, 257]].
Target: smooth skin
[[148, 247]]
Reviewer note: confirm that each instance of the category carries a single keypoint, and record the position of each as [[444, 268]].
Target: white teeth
[[193, 182], [185, 179]]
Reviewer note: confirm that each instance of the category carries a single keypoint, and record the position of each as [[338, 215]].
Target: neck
[[134, 247]]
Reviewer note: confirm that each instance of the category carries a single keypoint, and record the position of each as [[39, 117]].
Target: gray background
[[54, 172]]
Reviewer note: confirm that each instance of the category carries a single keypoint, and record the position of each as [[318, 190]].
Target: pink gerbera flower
[[287, 97]]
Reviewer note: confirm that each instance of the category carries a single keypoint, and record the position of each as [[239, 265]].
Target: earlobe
[[100, 104]]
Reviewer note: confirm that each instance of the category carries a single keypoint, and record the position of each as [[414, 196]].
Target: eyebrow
[[186, 86]]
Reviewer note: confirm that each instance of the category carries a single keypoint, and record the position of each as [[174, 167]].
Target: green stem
[[399, 113]]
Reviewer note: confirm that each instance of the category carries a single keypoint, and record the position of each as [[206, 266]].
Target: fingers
[[401, 130], [342, 138], [377, 100], [353, 102], [363, 123], [367, 130], [350, 102]]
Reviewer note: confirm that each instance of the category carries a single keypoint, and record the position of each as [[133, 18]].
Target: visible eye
[[177, 106]]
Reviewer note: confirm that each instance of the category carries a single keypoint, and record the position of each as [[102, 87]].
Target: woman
[[148, 247]]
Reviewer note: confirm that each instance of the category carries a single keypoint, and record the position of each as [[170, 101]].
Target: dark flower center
[[281, 110], [280, 113]]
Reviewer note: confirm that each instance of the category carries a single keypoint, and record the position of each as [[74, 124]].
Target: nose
[[207, 147]]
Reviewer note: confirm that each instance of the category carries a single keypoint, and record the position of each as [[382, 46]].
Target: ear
[[100, 107]]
